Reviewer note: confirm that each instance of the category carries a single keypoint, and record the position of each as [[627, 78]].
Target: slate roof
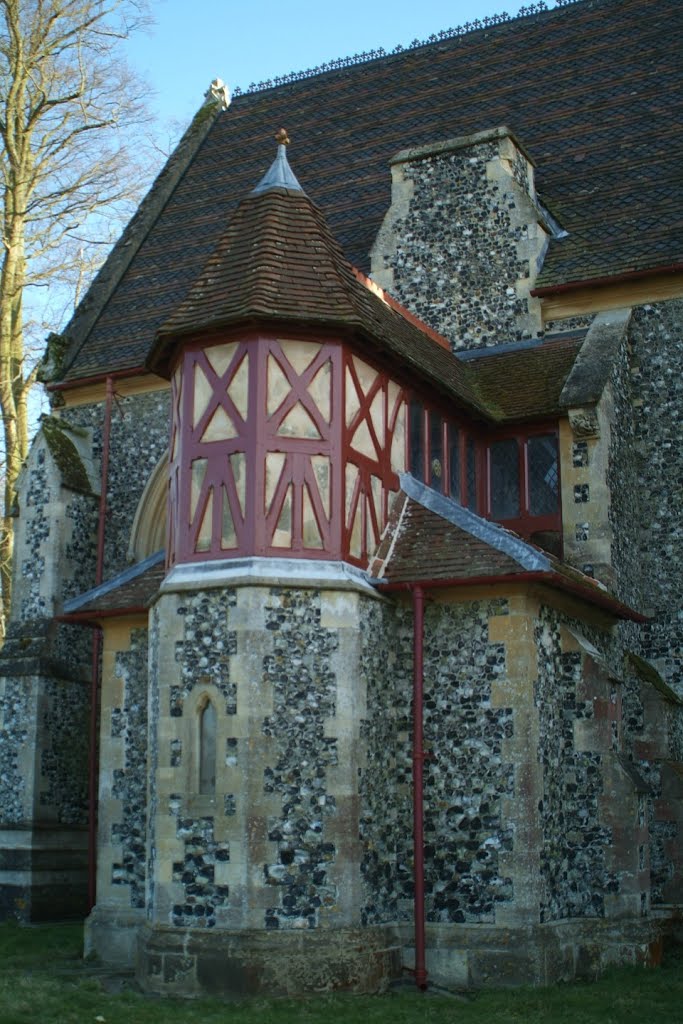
[[592, 89], [431, 539], [131, 590]]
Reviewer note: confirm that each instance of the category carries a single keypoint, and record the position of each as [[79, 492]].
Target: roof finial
[[280, 174], [218, 93]]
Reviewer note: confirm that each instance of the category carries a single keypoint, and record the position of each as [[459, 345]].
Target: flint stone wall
[[52, 716], [129, 789], [574, 872], [656, 336], [285, 766], [467, 777], [17, 718], [461, 243], [55, 544], [139, 437], [304, 686]]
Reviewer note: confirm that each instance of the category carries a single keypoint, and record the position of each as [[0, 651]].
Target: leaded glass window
[[504, 470], [543, 476], [417, 438], [207, 749], [454, 468], [471, 475], [436, 451]]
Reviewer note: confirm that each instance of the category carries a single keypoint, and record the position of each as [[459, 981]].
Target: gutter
[[79, 382], [92, 618], [630, 275], [551, 579]]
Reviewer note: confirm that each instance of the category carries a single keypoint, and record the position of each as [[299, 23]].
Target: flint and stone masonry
[[255, 785], [259, 867], [462, 241]]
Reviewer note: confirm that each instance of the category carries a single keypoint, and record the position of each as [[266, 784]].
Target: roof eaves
[[535, 566], [136, 231], [108, 587], [543, 291], [591, 595]]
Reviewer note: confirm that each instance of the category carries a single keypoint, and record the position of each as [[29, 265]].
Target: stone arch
[[148, 533]]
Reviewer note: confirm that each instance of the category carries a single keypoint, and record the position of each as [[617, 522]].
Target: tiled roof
[[131, 590], [592, 89], [430, 539], [269, 265], [525, 382]]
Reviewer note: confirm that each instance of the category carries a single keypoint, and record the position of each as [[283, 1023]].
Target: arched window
[[207, 749]]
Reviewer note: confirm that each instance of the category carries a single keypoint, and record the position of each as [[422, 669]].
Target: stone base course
[[223, 963], [478, 956], [43, 873]]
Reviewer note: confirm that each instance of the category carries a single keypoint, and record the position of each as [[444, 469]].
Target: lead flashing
[[268, 572], [113, 584], [528, 557]]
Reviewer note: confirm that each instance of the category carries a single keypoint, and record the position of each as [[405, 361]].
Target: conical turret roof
[[278, 262]]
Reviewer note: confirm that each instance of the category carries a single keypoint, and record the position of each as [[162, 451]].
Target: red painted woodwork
[[255, 436], [284, 474], [388, 402], [305, 469]]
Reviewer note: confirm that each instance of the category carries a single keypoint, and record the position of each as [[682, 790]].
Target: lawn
[[43, 980]]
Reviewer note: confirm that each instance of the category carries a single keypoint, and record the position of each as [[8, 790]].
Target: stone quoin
[[347, 631]]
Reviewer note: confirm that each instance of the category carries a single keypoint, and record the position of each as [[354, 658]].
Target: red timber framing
[[292, 446], [374, 446], [511, 475], [281, 446], [255, 465]]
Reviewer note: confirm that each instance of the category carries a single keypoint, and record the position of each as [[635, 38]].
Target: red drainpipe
[[96, 648], [418, 785]]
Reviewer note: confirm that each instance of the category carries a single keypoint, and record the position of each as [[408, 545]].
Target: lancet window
[[207, 749]]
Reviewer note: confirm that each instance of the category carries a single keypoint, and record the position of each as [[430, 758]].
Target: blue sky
[[194, 41]]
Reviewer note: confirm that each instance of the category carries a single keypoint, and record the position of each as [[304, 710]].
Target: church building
[[347, 625]]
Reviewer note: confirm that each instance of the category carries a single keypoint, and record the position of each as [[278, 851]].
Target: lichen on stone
[[65, 454], [50, 366]]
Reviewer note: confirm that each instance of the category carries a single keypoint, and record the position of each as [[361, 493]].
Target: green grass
[[43, 980]]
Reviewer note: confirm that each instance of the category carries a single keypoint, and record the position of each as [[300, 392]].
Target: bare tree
[[67, 104]]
